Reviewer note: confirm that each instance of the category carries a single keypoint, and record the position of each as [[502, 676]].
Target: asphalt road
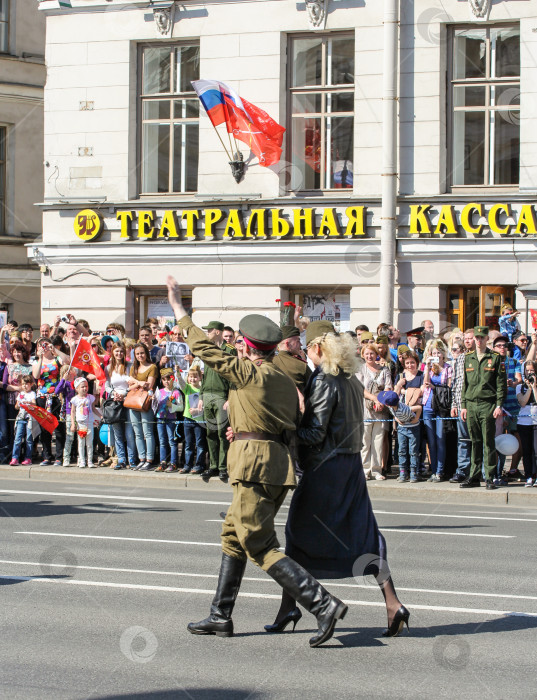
[[99, 582]]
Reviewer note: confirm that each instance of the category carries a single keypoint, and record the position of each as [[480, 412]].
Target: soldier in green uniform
[[483, 393], [214, 394], [263, 404], [290, 358]]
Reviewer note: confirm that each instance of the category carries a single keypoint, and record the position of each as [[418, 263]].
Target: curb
[[445, 492], [109, 476]]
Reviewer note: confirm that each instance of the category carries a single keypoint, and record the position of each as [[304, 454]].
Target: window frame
[[3, 176], [6, 27], [322, 90], [171, 97], [488, 81]]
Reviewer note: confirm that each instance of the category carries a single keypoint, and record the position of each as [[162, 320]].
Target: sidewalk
[[515, 494]]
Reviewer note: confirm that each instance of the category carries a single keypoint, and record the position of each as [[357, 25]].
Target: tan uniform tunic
[[262, 399]]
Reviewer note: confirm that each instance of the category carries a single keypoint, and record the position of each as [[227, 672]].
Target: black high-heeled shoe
[[293, 616], [400, 619]]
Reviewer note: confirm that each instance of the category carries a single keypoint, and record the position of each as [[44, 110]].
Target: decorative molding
[[164, 17], [480, 9], [317, 11]]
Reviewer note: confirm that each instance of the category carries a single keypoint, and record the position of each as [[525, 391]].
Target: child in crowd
[[195, 434], [23, 422], [508, 321], [83, 415], [409, 387], [64, 388], [168, 401]]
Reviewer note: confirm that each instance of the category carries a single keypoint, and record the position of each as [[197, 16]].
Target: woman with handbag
[[375, 379], [142, 380], [437, 378], [114, 413]]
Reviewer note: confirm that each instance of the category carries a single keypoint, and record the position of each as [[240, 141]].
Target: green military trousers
[[482, 431], [248, 530], [217, 421]]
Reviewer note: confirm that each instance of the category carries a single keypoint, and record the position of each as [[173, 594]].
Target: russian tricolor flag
[[213, 95]]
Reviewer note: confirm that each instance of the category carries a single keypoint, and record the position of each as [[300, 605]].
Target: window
[[170, 115], [4, 26], [485, 98], [3, 131], [322, 111]]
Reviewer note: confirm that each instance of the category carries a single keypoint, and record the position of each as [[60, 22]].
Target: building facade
[[138, 182], [22, 80]]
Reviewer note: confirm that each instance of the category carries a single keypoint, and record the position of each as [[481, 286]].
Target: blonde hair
[[435, 344], [338, 353], [303, 323], [64, 370], [369, 346], [194, 369]]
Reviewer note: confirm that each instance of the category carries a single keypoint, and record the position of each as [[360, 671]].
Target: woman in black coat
[[331, 529]]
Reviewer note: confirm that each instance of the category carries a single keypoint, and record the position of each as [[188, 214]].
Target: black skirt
[[331, 522]]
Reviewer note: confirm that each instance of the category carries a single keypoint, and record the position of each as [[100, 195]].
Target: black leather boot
[[219, 621], [307, 591]]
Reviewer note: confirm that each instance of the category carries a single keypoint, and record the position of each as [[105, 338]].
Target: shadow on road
[[507, 623], [188, 693], [6, 580], [38, 509]]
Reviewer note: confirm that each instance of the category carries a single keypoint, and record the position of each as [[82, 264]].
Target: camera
[[435, 360], [531, 378], [65, 319]]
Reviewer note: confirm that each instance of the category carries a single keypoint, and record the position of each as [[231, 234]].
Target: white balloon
[[506, 444]]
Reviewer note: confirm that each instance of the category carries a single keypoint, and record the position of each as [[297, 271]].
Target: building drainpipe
[[389, 162]]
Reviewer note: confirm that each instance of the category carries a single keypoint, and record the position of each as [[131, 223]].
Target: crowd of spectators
[[181, 427]]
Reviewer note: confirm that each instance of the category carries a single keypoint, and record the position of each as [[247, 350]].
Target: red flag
[[258, 130], [533, 313], [86, 359], [45, 419]]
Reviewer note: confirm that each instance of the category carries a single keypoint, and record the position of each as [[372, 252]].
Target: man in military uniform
[[414, 340], [291, 359], [214, 394], [263, 404], [483, 393]]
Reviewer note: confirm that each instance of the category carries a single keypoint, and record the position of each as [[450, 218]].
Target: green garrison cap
[[481, 331], [382, 340], [289, 332], [214, 324], [318, 328], [260, 332]]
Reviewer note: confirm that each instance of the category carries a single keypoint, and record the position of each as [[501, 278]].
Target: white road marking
[[217, 544], [463, 517], [426, 532], [271, 596], [128, 539], [372, 587], [448, 534], [118, 497]]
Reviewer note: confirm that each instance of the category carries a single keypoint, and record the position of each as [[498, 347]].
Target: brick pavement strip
[[515, 494]]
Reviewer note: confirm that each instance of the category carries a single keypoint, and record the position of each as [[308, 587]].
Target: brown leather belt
[[275, 437]]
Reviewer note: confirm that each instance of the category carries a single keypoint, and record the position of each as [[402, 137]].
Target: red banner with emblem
[[533, 313], [86, 359], [45, 419]]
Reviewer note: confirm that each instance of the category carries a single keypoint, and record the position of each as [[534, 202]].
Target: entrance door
[[477, 306]]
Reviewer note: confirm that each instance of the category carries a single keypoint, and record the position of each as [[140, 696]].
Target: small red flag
[[45, 419], [258, 130], [86, 359], [533, 313]]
